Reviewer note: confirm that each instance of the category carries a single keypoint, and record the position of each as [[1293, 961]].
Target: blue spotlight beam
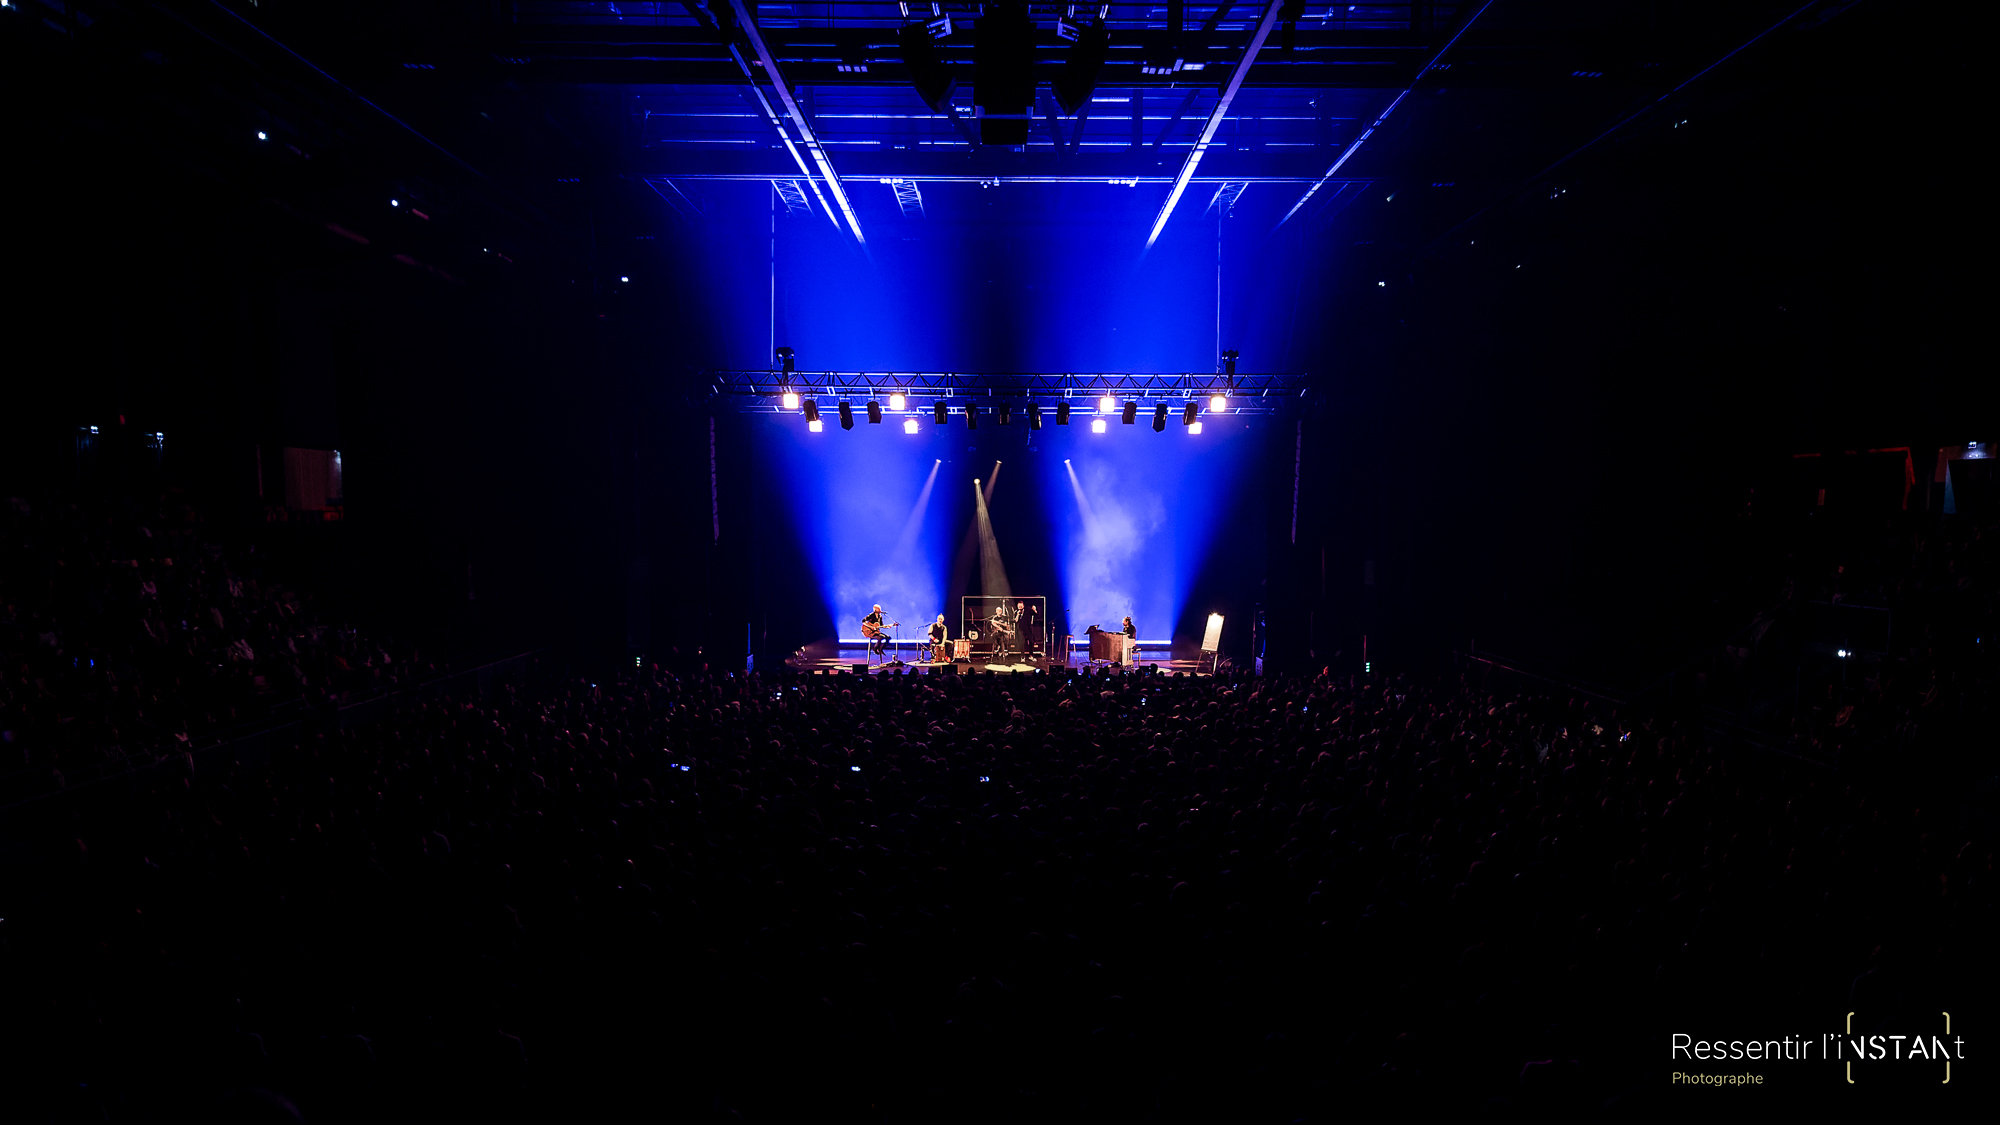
[[777, 79], [1215, 117], [760, 392], [1355, 146]]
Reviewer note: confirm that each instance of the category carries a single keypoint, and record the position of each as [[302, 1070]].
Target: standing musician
[[1028, 621], [877, 632], [939, 635], [1131, 632]]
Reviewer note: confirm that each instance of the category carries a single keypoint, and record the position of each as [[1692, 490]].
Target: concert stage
[[846, 657]]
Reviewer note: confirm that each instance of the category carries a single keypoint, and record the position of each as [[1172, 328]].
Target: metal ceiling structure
[[853, 43], [812, 97], [809, 95]]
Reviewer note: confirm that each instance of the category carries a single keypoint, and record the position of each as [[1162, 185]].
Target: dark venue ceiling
[[675, 93]]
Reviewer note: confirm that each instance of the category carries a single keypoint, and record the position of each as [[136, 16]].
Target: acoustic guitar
[[873, 632]]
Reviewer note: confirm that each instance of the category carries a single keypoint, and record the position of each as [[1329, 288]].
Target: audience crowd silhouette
[[128, 631], [1067, 895]]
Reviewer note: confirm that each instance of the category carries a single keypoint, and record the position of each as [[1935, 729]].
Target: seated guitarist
[[878, 638]]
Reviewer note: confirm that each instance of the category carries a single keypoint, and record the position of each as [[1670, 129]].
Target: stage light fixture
[[1034, 417], [791, 400], [261, 136], [897, 401], [940, 412], [1005, 412], [1131, 413], [1188, 413], [1160, 418], [971, 416], [1062, 413], [874, 413], [909, 425], [812, 411], [846, 415], [1229, 362], [815, 426], [1106, 405], [1218, 404], [1097, 425], [1194, 428], [785, 356]]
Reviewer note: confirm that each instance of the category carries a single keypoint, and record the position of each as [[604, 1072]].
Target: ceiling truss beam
[[751, 32]]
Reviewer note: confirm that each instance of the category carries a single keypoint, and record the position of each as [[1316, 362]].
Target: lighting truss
[[793, 195], [761, 392], [908, 197]]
